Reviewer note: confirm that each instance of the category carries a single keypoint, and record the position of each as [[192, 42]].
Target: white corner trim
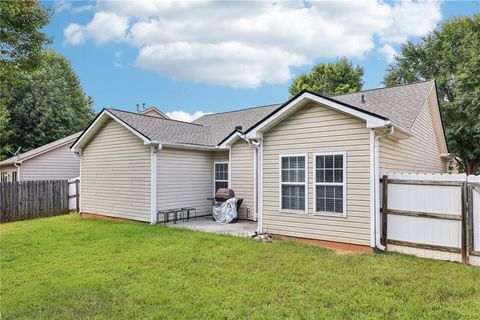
[[260, 200], [153, 184], [371, 121], [372, 188]]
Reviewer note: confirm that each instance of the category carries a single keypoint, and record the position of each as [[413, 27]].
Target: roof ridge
[[238, 110], [382, 88], [146, 115]]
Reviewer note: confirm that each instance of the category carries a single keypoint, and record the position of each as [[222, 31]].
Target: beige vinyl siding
[[420, 153], [153, 113], [184, 179], [8, 168], [59, 163], [313, 129], [220, 156], [115, 177], [242, 179]]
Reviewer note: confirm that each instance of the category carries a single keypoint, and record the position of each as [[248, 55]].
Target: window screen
[[329, 183], [293, 184], [221, 175]]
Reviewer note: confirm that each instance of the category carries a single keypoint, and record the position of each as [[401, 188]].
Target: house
[[52, 161], [307, 168], [154, 112]]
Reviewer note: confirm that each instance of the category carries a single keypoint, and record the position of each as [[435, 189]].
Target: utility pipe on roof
[[376, 184]]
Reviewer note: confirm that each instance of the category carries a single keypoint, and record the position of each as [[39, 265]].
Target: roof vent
[[363, 98], [239, 128]]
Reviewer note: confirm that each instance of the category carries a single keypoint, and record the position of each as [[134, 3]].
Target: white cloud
[[105, 26], [80, 9], [185, 116], [388, 52], [247, 44], [62, 5]]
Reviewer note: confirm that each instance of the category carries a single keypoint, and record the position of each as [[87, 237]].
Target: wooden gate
[[432, 215]]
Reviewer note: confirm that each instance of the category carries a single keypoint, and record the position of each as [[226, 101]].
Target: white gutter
[[376, 183]]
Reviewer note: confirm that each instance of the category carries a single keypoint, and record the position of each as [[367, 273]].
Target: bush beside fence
[[33, 199]]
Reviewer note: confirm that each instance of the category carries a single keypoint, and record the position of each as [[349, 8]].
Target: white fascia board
[[183, 146], [100, 118], [87, 132], [372, 121], [231, 140], [135, 132]]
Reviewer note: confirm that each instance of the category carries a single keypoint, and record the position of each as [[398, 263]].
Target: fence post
[[77, 194], [464, 223], [384, 210]]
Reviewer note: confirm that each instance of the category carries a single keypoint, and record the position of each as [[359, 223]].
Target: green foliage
[[20, 36], [5, 131], [330, 79], [451, 55], [68, 267], [21, 50], [49, 105], [40, 96]]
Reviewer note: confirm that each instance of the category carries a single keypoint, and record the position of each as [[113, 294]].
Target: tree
[[330, 79], [451, 55], [21, 49], [49, 105]]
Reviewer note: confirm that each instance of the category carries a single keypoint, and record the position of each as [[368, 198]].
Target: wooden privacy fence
[[32, 199], [432, 215]]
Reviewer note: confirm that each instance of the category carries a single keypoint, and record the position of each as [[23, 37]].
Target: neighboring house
[[154, 112], [308, 168], [52, 161]]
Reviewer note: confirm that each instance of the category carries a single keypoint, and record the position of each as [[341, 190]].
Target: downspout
[[17, 165], [257, 147], [376, 184]]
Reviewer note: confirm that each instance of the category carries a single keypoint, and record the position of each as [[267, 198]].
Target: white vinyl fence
[[433, 216], [74, 195]]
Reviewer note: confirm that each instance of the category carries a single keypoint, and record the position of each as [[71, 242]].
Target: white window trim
[[344, 184], [214, 176], [280, 183]]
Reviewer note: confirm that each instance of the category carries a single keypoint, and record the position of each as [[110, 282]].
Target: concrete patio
[[241, 228]]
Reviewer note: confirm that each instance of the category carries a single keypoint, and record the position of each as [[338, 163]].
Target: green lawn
[[67, 267]]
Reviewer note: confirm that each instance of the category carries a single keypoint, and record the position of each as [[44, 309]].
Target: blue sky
[[213, 57]]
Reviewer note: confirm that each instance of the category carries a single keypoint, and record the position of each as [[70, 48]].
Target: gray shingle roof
[[46, 147], [400, 104], [224, 123], [166, 130]]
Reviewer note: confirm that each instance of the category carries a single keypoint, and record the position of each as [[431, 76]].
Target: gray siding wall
[[115, 177], [417, 154], [184, 179], [315, 128], [242, 177], [59, 163]]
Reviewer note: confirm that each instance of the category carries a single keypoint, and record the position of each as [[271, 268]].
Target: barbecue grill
[[223, 194]]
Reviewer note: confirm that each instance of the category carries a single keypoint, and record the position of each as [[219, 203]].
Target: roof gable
[[154, 112], [41, 150]]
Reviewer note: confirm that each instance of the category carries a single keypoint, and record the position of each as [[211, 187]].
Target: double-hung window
[[293, 185], [330, 183], [221, 175]]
